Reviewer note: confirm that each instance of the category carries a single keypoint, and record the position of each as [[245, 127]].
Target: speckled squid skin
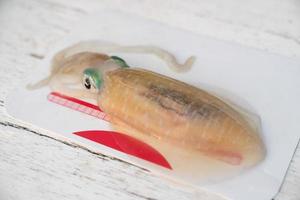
[[180, 114]]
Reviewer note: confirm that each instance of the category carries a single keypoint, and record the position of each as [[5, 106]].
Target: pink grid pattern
[[78, 107]]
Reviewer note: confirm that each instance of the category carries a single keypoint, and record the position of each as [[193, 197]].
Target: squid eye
[[87, 83], [92, 79]]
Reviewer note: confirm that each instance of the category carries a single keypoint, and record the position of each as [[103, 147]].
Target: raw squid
[[195, 130]]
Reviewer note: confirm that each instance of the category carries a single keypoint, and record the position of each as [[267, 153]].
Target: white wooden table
[[34, 166]]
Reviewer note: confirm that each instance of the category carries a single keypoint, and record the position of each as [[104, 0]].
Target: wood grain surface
[[34, 166]]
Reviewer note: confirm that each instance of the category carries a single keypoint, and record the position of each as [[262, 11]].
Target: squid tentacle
[[104, 48], [60, 59]]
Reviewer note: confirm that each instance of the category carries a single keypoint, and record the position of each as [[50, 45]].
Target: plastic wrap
[[200, 136]]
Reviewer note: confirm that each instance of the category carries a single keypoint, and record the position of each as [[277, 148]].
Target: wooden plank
[[37, 167]]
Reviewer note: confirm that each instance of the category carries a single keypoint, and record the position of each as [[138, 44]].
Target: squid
[[196, 130]]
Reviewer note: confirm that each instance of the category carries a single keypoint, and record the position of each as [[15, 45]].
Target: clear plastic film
[[164, 125]]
